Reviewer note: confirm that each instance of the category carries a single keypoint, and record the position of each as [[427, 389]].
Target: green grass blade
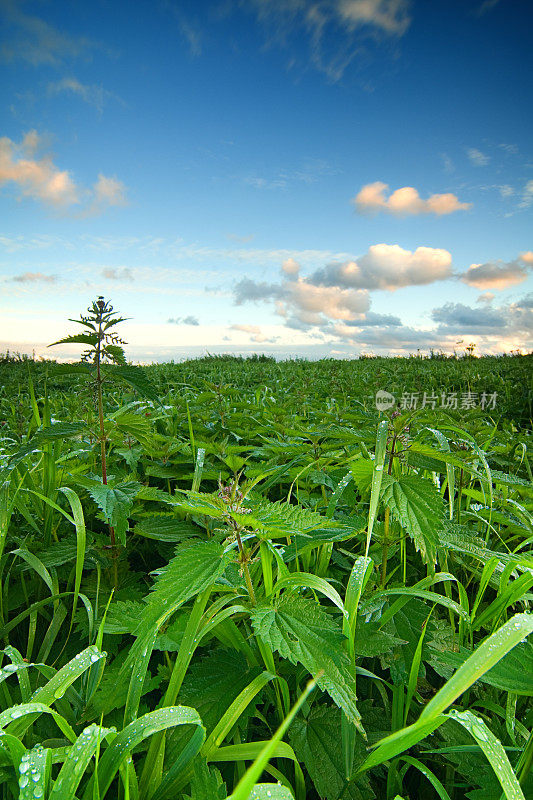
[[79, 524], [432, 778], [19, 718], [482, 659], [34, 773], [247, 783], [492, 747], [232, 714], [132, 735], [306, 580], [76, 762]]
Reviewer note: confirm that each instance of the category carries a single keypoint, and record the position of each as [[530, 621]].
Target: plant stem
[[103, 458], [386, 523], [244, 562]]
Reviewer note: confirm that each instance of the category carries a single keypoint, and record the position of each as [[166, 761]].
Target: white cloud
[[477, 158], [107, 192], [388, 266], [256, 334], [405, 201], [527, 195], [290, 267], [390, 16], [118, 274], [339, 291], [33, 40], [34, 277], [323, 22], [40, 179], [499, 274], [486, 297], [94, 95]]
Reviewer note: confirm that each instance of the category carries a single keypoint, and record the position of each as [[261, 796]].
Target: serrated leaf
[[206, 782], [370, 641], [135, 377], [166, 529], [362, 472], [115, 353], [195, 567], [417, 506], [114, 500], [300, 630], [317, 743], [56, 370], [213, 683], [90, 339]]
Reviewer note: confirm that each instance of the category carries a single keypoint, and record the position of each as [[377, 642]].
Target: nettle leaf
[[122, 617], [195, 566], [135, 377], [460, 539], [208, 505], [300, 630], [282, 519], [60, 430], [414, 502], [206, 782], [362, 471], [318, 743], [57, 370], [114, 500], [370, 641], [90, 339], [213, 683], [115, 353], [167, 528], [133, 425]]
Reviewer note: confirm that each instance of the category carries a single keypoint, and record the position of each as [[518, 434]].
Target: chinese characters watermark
[[462, 401]]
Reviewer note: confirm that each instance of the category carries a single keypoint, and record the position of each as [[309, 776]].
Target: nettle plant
[[102, 362]]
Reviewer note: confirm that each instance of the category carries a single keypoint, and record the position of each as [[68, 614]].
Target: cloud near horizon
[[405, 201], [38, 178], [255, 332], [340, 291]]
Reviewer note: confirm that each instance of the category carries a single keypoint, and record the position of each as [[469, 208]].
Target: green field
[[177, 569]]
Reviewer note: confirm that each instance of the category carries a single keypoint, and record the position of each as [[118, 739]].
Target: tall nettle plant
[[104, 360]]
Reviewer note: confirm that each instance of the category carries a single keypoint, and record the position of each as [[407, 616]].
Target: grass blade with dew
[[34, 773], [132, 735], [492, 747], [248, 781]]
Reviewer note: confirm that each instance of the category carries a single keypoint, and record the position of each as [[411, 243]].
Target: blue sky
[[297, 177]]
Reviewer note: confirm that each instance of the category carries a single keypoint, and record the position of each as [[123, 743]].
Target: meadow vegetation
[[236, 578]]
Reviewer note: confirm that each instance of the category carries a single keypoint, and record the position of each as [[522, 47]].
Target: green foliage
[[416, 505], [300, 630], [227, 528]]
